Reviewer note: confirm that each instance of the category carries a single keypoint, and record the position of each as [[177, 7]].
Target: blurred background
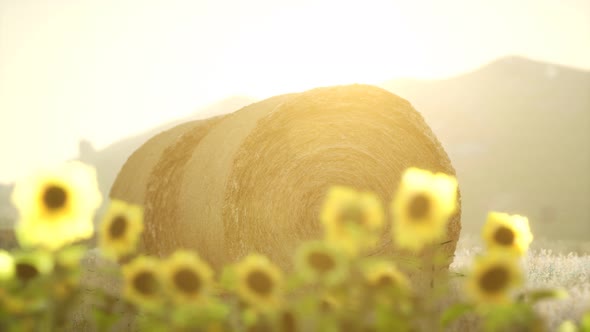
[[505, 85]]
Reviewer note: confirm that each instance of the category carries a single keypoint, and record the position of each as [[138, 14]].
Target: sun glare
[[304, 47], [133, 65]]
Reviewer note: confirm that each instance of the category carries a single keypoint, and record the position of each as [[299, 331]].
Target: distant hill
[[518, 134]]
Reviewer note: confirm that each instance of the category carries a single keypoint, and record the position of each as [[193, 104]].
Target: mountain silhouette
[[518, 134]]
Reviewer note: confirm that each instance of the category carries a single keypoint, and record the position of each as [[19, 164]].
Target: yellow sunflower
[[26, 268], [421, 208], [318, 261], [493, 277], [383, 275], [259, 282], [56, 206], [187, 277], [30, 265], [507, 232], [120, 229], [6, 266], [352, 219], [143, 285]]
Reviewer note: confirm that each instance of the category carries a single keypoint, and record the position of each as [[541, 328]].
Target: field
[[549, 264]]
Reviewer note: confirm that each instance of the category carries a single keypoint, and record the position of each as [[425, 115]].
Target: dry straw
[[255, 180], [131, 183]]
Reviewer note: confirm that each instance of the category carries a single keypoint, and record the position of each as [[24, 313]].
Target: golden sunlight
[[77, 68]]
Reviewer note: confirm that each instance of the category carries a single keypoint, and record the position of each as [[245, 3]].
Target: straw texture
[[131, 182], [255, 180]]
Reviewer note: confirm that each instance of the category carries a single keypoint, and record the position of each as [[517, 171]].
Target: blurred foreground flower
[[507, 232], [30, 265], [421, 208], [493, 277], [259, 282], [56, 206], [188, 278], [120, 229], [25, 290], [352, 219], [384, 275], [318, 261], [143, 282], [6, 266]]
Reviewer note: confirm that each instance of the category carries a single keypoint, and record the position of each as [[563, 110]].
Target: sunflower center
[[419, 207], [385, 281], [26, 272], [504, 236], [260, 282], [145, 283], [187, 281], [352, 213], [118, 227], [54, 197], [494, 280], [288, 322], [321, 262]]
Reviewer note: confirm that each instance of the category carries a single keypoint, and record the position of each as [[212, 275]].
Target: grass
[[548, 264], [42, 288]]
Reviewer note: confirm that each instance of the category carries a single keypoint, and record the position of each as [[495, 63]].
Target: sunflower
[[492, 278], [384, 275], [187, 277], [6, 266], [28, 266], [120, 229], [507, 232], [318, 261], [352, 219], [56, 206], [259, 282], [143, 282], [422, 207]]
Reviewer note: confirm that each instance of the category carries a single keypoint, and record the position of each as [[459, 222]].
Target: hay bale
[[163, 189], [132, 180], [256, 179]]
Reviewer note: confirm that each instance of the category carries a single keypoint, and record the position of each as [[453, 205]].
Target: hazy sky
[[104, 69]]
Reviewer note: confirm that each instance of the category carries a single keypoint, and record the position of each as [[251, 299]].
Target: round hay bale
[[255, 182]]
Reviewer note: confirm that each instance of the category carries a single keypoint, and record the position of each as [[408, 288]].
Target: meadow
[[499, 281], [550, 264]]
